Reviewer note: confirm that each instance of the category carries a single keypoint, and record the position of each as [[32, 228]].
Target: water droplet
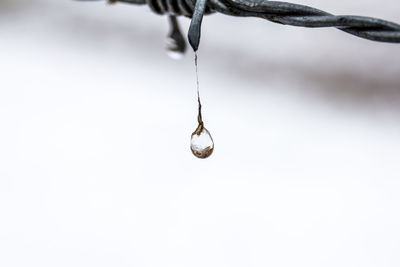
[[174, 51], [201, 144], [176, 44]]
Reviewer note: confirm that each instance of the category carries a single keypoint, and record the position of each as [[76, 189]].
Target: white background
[[95, 122]]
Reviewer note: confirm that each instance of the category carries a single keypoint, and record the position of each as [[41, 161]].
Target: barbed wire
[[279, 12]]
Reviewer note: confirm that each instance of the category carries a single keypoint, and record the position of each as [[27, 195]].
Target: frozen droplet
[[174, 50], [201, 144]]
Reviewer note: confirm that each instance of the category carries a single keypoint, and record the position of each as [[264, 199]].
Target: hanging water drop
[[173, 50], [201, 143], [175, 44]]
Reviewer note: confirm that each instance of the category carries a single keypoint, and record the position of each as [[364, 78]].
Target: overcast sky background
[[95, 124]]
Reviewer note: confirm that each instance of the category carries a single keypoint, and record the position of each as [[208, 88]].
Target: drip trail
[[199, 117], [201, 142]]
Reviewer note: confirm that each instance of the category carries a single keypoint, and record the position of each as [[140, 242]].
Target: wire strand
[[284, 13]]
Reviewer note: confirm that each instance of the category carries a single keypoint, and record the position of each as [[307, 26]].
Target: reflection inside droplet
[[201, 144], [174, 51]]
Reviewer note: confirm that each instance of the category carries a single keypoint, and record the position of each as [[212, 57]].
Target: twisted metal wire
[[304, 16], [171, 7], [281, 12]]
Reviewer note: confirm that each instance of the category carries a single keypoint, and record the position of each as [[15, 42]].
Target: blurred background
[[95, 124]]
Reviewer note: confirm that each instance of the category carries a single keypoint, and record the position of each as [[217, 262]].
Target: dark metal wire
[[279, 12], [304, 16]]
